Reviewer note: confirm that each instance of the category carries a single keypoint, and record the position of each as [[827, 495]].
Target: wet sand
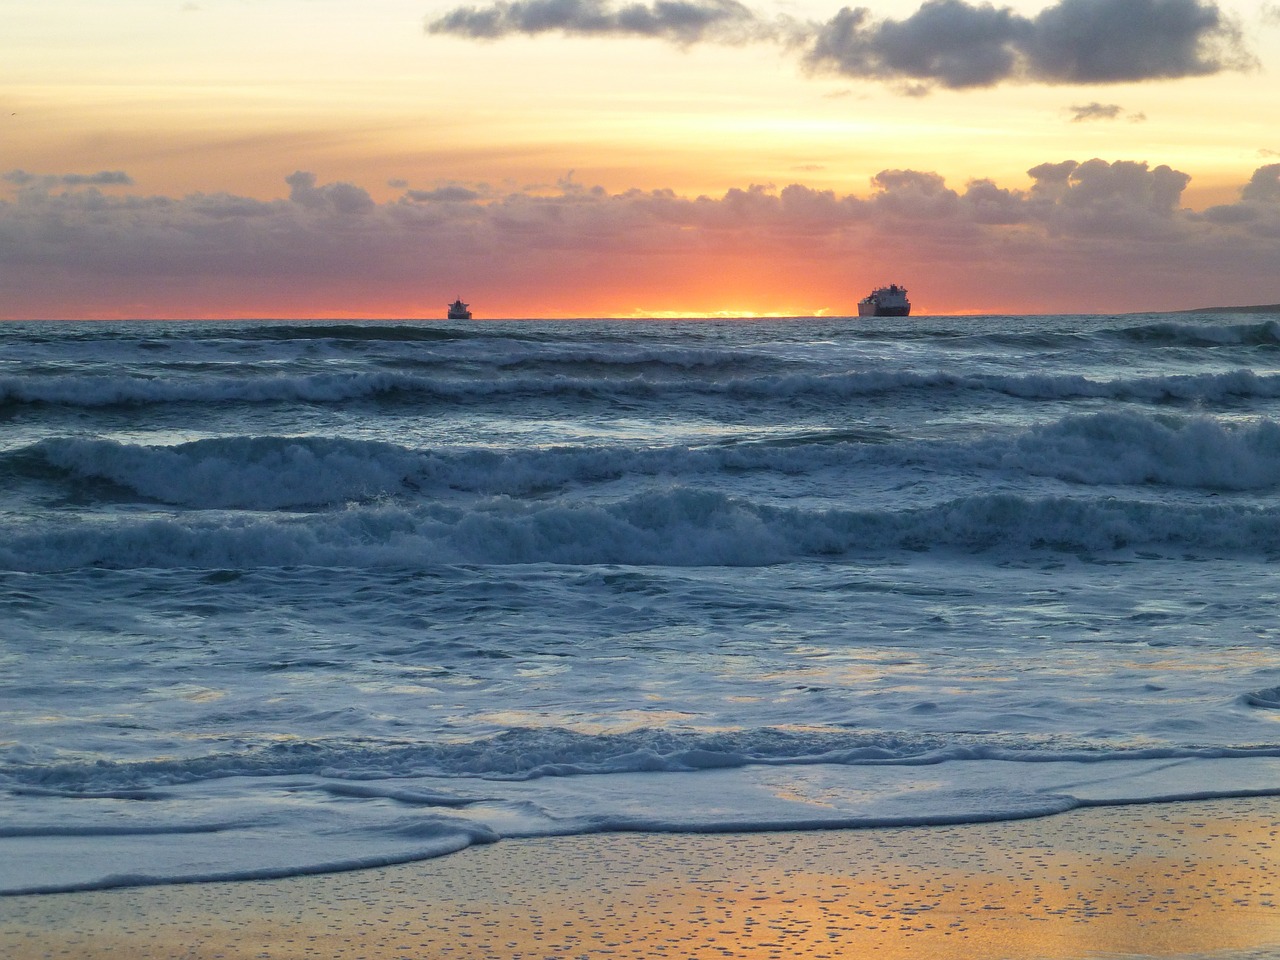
[[1165, 880]]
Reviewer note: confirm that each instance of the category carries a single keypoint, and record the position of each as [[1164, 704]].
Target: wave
[[1202, 330], [355, 330], [1208, 330], [270, 473], [410, 802], [671, 526], [1073, 331], [528, 754], [1264, 333], [289, 473], [1268, 699], [131, 391], [255, 473], [1131, 448], [333, 388]]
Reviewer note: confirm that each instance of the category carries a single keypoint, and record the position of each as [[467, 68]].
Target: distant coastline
[[1257, 308]]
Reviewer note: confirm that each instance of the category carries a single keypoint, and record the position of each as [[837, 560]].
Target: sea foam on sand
[[1159, 880]]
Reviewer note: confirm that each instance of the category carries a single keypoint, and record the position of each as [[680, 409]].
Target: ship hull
[[874, 310]]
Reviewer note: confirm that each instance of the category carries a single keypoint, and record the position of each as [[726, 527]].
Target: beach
[[1195, 879]]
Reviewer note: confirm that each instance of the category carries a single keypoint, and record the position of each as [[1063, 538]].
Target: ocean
[[285, 597]]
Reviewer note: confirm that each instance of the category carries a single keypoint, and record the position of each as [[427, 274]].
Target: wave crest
[[669, 527], [1132, 448]]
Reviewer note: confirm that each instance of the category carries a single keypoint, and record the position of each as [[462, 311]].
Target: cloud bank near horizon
[[947, 43], [1111, 230]]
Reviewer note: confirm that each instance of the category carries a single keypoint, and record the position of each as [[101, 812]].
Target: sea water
[[288, 597]]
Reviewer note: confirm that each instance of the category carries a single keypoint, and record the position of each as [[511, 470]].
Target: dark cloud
[[1108, 41], [949, 43], [678, 21], [945, 41], [958, 45]]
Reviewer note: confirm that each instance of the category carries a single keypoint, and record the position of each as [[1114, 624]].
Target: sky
[[586, 158]]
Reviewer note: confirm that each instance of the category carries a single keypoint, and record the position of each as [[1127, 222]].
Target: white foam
[[285, 827]]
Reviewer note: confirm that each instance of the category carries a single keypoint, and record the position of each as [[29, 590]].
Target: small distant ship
[[459, 310], [890, 301]]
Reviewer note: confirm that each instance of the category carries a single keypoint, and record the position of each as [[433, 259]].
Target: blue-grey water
[[283, 597]]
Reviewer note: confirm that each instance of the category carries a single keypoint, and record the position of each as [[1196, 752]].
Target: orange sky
[[556, 158]]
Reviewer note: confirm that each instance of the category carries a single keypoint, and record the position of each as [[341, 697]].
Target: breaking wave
[[333, 388], [286, 473], [676, 526]]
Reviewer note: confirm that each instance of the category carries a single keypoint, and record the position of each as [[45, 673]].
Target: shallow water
[[1184, 881]]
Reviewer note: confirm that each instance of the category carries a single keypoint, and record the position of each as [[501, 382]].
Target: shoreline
[[1169, 880]]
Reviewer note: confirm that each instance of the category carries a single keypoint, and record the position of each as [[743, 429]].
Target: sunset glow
[[544, 158]]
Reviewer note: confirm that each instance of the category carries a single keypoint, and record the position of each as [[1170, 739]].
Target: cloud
[[678, 21], [913, 194], [446, 194], [1104, 41], [1085, 112], [1093, 233], [948, 43], [1259, 208], [1095, 111], [945, 41], [1264, 186], [1111, 200], [958, 45], [338, 198], [104, 178]]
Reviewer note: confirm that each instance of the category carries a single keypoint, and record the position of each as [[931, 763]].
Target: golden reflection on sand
[[1168, 880]]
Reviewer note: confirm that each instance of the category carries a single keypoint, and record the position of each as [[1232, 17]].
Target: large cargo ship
[[890, 301], [459, 310]]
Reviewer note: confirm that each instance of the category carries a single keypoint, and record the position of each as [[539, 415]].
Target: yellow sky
[[227, 94]]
